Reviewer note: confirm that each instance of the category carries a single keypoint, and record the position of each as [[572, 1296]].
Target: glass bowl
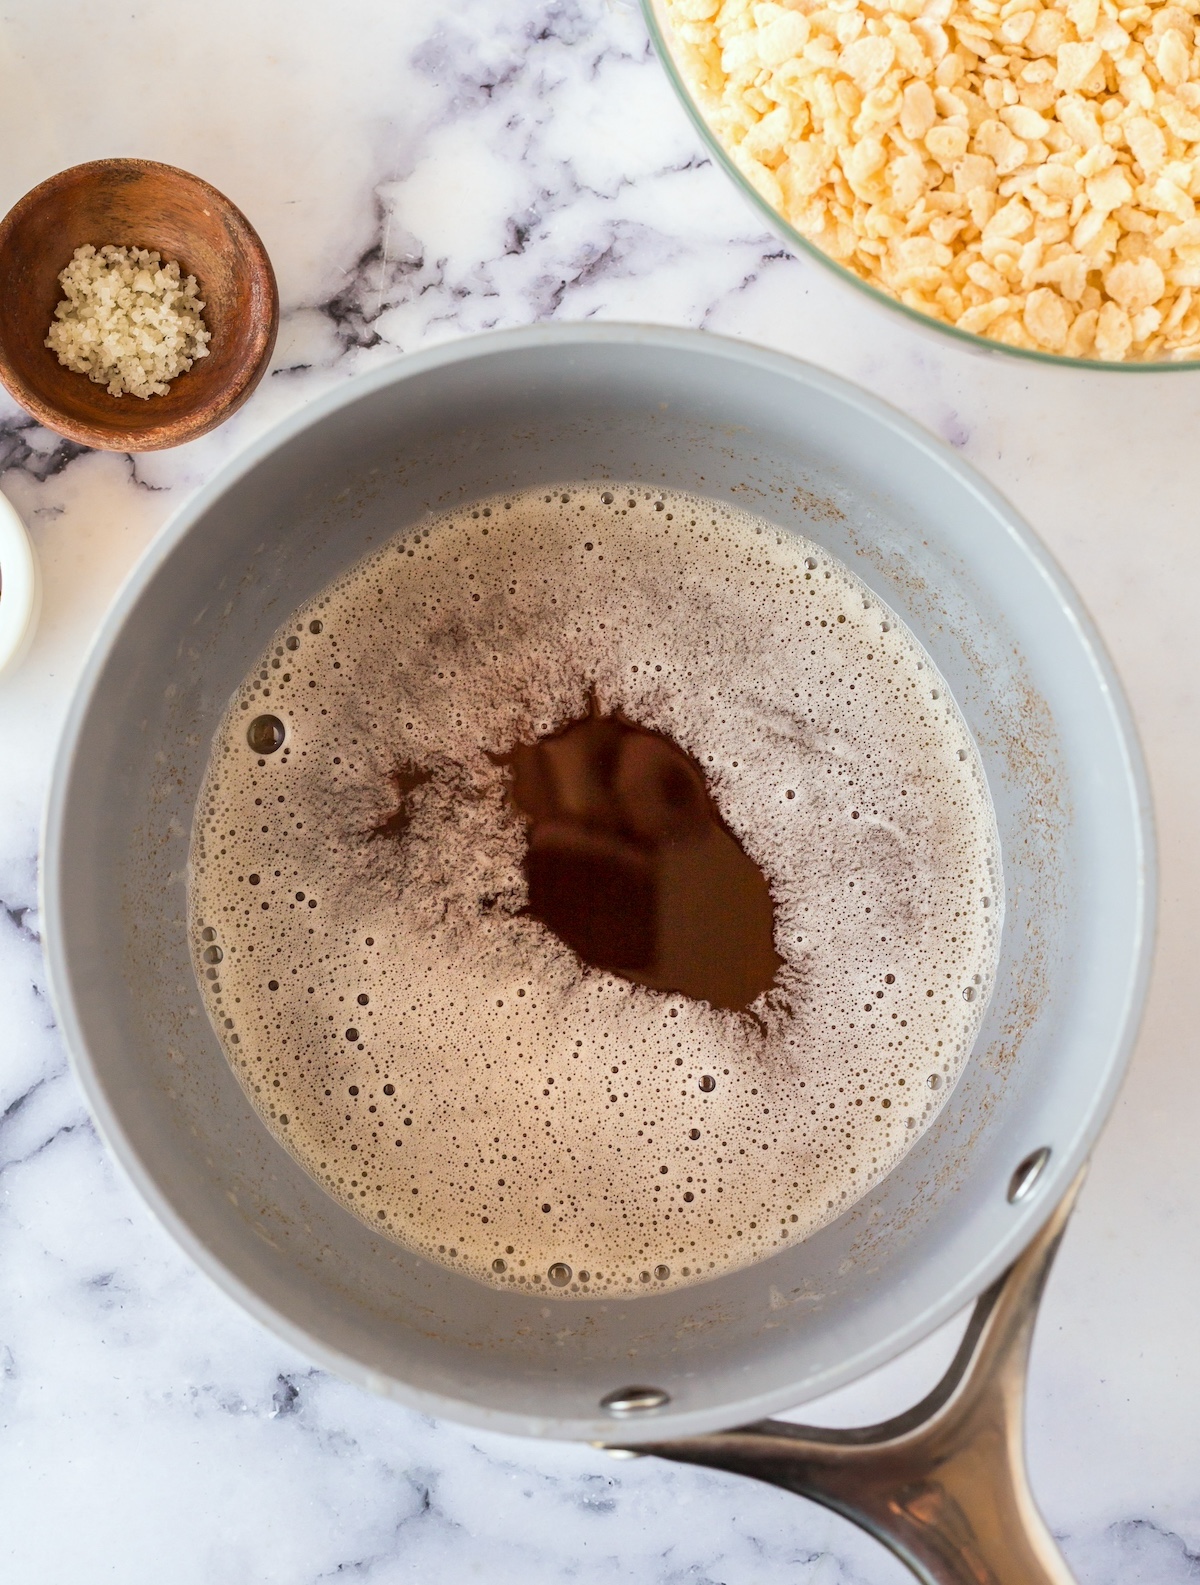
[[661, 35]]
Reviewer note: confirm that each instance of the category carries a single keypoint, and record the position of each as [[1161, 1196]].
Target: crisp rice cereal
[[1026, 172]]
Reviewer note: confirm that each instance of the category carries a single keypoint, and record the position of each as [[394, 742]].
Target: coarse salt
[[127, 321]]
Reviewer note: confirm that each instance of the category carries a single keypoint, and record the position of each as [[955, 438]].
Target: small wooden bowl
[[134, 203]]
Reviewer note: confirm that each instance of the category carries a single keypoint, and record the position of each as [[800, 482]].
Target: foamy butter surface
[[443, 1064]]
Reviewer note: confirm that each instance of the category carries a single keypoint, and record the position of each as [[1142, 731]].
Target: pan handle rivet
[[627, 1401], [1023, 1181]]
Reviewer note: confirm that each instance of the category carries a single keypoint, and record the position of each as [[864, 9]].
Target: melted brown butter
[[477, 950]]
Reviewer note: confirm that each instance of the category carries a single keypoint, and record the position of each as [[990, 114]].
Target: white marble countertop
[[418, 171]]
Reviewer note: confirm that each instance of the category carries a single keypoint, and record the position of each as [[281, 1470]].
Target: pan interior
[[691, 413]]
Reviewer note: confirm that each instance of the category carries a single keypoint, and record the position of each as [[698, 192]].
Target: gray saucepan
[[944, 550]]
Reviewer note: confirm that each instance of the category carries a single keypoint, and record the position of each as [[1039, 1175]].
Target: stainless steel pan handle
[[943, 1485]]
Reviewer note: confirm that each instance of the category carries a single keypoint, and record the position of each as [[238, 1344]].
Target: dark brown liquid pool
[[631, 866]]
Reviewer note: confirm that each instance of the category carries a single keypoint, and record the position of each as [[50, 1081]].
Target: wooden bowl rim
[[144, 434]]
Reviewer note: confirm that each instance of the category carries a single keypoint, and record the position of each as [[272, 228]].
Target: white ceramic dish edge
[[20, 588]]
